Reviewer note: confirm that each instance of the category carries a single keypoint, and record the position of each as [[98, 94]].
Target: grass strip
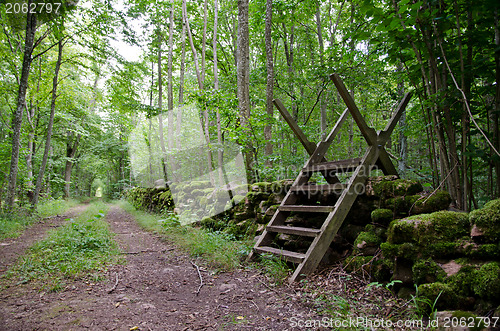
[[13, 224], [82, 247]]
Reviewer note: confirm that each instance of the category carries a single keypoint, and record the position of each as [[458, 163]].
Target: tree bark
[[71, 148], [494, 115], [170, 133], [270, 83], [243, 82], [31, 22], [41, 173], [160, 110], [220, 152]]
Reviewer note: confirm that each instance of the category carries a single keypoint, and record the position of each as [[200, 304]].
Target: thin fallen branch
[[149, 251], [199, 275], [114, 286]]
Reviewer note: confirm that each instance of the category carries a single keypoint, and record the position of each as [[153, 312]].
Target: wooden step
[[335, 166], [307, 208], [337, 187], [296, 230], [287, 255]]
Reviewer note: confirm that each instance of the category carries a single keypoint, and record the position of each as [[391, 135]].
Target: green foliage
[[275, 267], [13, 224], [54, 207]]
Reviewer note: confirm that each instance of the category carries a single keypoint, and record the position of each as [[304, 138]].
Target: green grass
[[49, 208], [81, 247], [219, 249], [13, 224]]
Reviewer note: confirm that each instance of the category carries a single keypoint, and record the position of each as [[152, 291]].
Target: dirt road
[[156, 289]]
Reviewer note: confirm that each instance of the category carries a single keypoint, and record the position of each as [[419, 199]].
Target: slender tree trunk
[[160, 110], [403, 141], [243, 82], [321, 62], [181, 83], [21, 104], [71, 148], [270, 83], [170, 134], [41, 173], [494, 115], [220, 151]]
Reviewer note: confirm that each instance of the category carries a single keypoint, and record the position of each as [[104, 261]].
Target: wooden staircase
[[296, 199]]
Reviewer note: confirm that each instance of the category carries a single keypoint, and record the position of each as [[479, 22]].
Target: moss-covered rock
[[487, 219], [213, 224], [398, 187], [382, 216], [463, 281], [367, 242], [440, 200], [406, 251], [427, 271], [487, 282], [443, 226], [439, 295]]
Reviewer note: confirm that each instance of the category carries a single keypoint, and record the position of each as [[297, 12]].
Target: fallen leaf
[[240, 317]]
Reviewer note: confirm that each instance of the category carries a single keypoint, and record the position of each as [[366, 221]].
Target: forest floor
[[156, 288]]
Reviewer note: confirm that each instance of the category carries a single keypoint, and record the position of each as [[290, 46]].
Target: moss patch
[[427, 271], [439, 295], [488, 220], [382, 216], [487, 282], [398, 187], [442, 226]]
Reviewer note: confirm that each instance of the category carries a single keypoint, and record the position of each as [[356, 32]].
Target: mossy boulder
[[442, 226], [487, 220], [213, 224], [440, 200], [427, 271], [418, 204], [406, 251], [367, 242], [487, 282], [439, 295], [463, 281], [398, 187], [382, 216]]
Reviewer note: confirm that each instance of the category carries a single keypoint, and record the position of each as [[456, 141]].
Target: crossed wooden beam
[[372, 137]]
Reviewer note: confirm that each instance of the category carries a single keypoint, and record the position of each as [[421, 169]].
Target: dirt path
[[11, 249], [154, 290]]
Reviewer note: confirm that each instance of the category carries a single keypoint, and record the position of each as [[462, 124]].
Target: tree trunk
[[494, 115], [160, 110], [181, 83], [41, 173], [21, 104], [270, 83], [322, 105], [243, 82], [71, 148], [220, 152], [170, 133]]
